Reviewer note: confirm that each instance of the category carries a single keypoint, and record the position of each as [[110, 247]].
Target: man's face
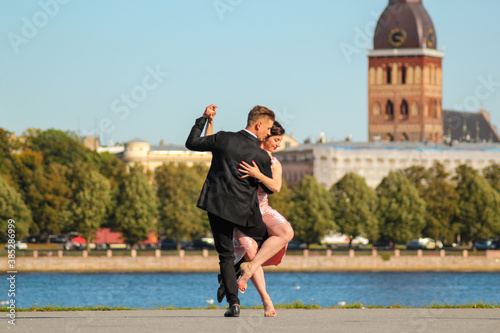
[[264, 128]]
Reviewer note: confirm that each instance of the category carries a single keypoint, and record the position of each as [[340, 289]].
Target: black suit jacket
[[224, 193]]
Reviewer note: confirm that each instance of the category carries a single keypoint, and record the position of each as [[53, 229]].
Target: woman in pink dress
[[277, 225]]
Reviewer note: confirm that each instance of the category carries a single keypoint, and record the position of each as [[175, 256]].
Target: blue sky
[[74, 67]]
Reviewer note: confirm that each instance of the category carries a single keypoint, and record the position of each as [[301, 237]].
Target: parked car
[[294, 245], [70, 245], [423, 244], [381, 245], [19, 246], [168, 244], [488, 244], [57, 239], [33, 239], [202, 243], [335, 239]]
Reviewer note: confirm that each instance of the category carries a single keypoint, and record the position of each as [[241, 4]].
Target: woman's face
[[272, 143]]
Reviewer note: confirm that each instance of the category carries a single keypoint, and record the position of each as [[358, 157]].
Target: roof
[[167, 147], [468, 126], [405, 24], [395, 145]]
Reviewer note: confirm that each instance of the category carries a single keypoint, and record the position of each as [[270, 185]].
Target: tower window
[[403, 75], [404, 110], [376, 109], [389, 75], [389, 111]]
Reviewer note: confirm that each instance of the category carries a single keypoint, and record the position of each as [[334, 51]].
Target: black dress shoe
[[233, 311]]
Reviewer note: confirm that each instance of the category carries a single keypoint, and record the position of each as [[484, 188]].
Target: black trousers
[[222, 230]]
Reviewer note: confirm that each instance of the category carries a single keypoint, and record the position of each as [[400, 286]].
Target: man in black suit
[[229, 200]]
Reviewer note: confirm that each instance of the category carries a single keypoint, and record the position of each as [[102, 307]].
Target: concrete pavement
[[252, 320]]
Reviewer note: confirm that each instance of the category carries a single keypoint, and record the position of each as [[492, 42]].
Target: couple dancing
[[234, 195]]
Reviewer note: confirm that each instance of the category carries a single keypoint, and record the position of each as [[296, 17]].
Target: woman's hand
[[210, 112], [249, 170]]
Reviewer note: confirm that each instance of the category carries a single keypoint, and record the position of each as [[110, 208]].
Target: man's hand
[[210, 111]]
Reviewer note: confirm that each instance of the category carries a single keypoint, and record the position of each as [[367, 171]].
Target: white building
[[373, 160]]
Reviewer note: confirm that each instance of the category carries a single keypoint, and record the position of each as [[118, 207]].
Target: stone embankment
[[307, 262]]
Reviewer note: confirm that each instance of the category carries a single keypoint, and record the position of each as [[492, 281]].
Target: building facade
[[373, 160], [405, 76], [139, 152]]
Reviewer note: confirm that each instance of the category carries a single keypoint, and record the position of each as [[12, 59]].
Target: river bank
[[291, 263]]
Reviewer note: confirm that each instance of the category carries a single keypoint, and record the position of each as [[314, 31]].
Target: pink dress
[[271, 217]]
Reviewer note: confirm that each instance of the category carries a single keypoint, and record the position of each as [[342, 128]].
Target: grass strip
[[294, 305]]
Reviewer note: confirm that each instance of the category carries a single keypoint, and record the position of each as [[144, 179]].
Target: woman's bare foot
[[246, 274], [269, 310]]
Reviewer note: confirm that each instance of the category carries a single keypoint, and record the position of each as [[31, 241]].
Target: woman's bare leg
[[259, 282], [280, 235]]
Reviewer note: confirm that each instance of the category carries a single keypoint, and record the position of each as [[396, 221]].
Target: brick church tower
[[405, 76]]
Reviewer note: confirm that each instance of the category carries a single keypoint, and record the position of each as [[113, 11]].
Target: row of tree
[[51, 184], [407, 204]]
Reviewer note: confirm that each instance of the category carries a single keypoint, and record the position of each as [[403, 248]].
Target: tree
[[62, 147], [310, 216], [45, 191], [418, 176], [13, 207], [137, 207], [401, 211], [440, 197], [115, 171], [178, 188], [282, 201], [441, 201], [90, 201], [479, 204], [354, 206], [492, 175], [7, 145]]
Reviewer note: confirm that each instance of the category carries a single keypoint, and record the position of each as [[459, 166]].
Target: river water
[[150, 290]]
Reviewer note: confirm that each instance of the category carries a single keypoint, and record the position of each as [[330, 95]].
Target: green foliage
[[354, 206], [13, 207], [282, 201], [115, 171], [45, 191], [492, 175], [178, 188], [401, 211], [91, 198], [418, 176], [440, 197], [7, 145], [441, 200], [310, 216], [137, 207], [62, 147], [479, 204]]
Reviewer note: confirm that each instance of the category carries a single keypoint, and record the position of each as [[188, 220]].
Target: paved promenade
[[327, 320]]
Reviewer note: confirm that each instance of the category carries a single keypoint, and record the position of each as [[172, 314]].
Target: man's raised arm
[[194, 140]]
